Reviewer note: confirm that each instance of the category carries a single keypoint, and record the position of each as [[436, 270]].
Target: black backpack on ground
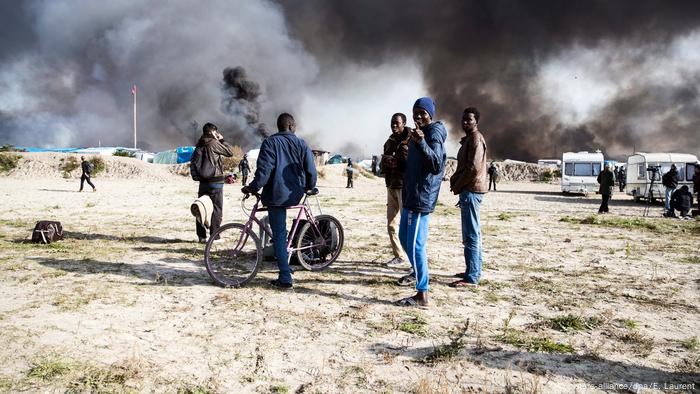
[[47, 231]]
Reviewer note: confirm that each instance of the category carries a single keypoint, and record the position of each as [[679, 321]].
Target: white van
[[554, 164], [639, 179], [580, 172]]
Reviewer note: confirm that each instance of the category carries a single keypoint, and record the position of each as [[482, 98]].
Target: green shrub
[[124, 153], [546, 176], [230, 164], [68, 165], [98, 163], [8, 161], [10, 148]]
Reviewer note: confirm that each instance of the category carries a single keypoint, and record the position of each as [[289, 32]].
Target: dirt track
[[568, 302]]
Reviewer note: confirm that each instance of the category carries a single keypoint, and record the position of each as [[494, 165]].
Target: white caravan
[[639, 179], [580, 172]]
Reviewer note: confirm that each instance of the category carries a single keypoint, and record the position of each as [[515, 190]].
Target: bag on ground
[[47, 231]]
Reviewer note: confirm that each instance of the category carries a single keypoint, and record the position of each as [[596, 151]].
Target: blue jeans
[[667, 201], [278, 225], [413, 234], [469, 204]]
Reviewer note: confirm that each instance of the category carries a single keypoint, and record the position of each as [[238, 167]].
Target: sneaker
[[396, 262], [202, 240], [280, 285], [462, 284], [407, 280], [218, 241]]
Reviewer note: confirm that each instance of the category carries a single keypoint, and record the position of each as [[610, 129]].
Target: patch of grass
[[413, 323], [279, 389], [17, 223], [189, 389], [8, 161], [690, 343], [505, 216], [690, 259], [628, 223], [48, 368], [570, 322], [643, 345], [450, 350], [521, 340], [74, 300]]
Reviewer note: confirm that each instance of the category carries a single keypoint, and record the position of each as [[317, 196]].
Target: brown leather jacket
[[471, 174], [393, 163]]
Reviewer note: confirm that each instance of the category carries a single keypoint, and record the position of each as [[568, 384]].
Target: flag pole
[[133, 91]]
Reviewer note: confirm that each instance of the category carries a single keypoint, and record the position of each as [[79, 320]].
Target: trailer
[[581, 171], [639, 173]]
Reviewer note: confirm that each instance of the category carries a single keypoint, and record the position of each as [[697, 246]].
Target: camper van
[[639, 172], [580, 172]]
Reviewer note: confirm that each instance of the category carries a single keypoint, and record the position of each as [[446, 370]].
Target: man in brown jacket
[[470, 182], [393, 164]]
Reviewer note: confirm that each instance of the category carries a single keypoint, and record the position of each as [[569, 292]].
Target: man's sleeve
[[265, 165], [223, 148], [433, 152], [309, 169]]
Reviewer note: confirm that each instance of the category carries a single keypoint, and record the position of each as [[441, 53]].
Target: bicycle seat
[[312, 192]]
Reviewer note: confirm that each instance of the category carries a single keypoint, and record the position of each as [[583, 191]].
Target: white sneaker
[[218, 241], [396, 262]]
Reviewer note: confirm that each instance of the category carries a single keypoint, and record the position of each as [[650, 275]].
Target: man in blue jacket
[[285, 170], [425, 167]]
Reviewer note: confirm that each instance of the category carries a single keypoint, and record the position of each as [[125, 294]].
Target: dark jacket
[[425, 167], [471, 172], [213, 150], [607, 182], [670, 179], [86, 167], [285, 170], [493, 172], [393, 162], [243, 166], [696, 181], [681, 200]]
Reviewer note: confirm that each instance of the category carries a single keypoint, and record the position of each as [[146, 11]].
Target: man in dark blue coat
[[285, 170], [425, 167]]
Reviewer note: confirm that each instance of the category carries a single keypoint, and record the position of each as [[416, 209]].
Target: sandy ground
[[570, 301]]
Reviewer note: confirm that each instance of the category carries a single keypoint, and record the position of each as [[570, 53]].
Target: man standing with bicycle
[[285, 171]]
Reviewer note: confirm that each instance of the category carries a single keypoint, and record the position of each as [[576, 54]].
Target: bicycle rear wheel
[[319, 246], [235, 259]]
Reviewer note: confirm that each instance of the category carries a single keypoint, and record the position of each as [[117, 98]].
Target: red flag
[[134, 90]]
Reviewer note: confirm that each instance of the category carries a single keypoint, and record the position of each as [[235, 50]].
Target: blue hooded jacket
[[285, 170], [425, 168]]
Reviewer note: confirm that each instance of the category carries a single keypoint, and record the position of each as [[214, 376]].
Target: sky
[[547, 76]]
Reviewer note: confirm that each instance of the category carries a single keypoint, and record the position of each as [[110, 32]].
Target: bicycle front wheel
[[233, 255], [318, 246]]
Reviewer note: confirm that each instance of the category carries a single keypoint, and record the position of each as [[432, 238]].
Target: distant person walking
[[425, 167], [681, 200], [87, 168], [493, 176], [285, 170], [670, 182], [622, 178], [206, 168], [469, 182], [393, 166], [244, 168], [606, 179], [349, 172]]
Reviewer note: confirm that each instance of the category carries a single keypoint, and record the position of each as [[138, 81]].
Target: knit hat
[[427, 104]]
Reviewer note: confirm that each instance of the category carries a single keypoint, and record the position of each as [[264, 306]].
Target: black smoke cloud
[[67, 67], [489, 54]]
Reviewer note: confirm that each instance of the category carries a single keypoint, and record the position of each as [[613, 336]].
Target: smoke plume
[[531, 66]]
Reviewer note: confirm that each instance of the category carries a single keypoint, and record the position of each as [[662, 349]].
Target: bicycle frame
[[303, 208]]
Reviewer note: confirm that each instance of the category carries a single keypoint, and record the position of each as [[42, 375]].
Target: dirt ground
[[570, 301]]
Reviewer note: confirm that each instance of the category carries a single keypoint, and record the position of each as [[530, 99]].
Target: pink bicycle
[[234, 260]]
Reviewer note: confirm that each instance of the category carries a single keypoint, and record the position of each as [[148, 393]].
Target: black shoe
[[202, 240], [407, 280], [280, 285]]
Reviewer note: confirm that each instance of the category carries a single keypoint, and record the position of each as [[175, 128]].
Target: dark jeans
[[349, 182], [604, 204], [622, 186], [278, 225], [83, 178], [217, 198], [491, 180], [244, 175]]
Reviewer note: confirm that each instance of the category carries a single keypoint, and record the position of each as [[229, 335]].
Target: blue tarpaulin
[[184, 153]]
